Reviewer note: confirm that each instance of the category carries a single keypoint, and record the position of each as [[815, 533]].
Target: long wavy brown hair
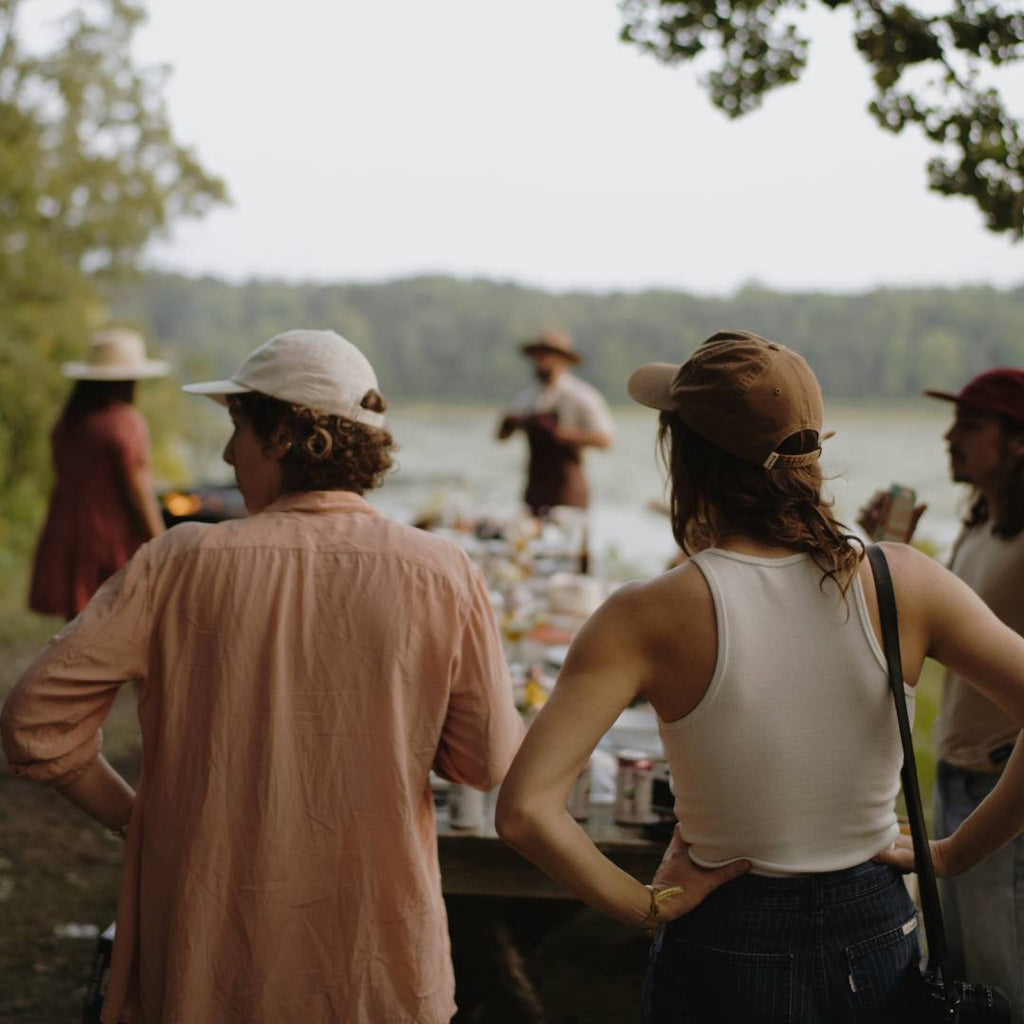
[[327, 453], [89, 395], [714, 494], [1010, 518]]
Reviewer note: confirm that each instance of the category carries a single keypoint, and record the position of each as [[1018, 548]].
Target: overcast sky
[[372, 140]]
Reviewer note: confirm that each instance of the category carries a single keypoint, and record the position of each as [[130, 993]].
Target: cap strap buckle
[[770, 461]]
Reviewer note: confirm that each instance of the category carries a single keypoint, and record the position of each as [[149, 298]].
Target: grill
[[203, 504]]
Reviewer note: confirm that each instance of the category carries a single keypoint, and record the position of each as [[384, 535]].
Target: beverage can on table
[[578, 804], [465, 806], [634, 785]]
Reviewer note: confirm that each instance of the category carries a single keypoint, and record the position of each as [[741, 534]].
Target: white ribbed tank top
[[792, 757]]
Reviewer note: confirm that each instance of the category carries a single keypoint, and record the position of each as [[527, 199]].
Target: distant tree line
[[449, 339]]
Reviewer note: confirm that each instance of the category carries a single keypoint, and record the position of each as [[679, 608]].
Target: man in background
[[560, 415], [984, 907]]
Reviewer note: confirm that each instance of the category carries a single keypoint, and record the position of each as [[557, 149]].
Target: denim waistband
[[945, 771], [817, 890]]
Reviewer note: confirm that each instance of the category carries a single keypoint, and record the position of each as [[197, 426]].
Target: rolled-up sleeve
[[50, 723], [482, 729]]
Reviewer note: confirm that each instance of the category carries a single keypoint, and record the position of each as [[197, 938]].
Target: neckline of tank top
[[739, 556]]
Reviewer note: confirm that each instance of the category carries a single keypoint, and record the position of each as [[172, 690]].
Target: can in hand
[[896, 521], [634, 785]]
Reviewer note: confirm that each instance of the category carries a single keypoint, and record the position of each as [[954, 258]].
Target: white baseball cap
[[320, 370]]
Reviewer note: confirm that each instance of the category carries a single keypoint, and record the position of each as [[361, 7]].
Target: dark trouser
[[983, 908], [817, 949]]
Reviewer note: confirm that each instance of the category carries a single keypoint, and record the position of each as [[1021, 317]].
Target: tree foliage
[[928, 70], [90, 170], [439, 338]]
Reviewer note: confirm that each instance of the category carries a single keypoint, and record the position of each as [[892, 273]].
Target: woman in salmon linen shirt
[[300, 673]]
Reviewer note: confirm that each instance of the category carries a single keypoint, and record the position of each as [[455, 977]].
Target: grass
[[928, 694], [57, 866]]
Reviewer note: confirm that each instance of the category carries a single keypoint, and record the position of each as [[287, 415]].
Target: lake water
[[449, 457], [449, 454]]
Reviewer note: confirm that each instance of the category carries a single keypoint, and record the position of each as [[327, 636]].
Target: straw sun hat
[[116, 354], [552, 341]]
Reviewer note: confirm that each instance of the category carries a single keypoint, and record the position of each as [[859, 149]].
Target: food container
[[465, 806], [634, 785], [574, 595], [578, 804]]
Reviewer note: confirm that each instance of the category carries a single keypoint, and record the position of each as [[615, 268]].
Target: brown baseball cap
[[553, 341], [742, 393]]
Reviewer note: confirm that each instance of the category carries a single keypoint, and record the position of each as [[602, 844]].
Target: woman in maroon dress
[[102, 506]]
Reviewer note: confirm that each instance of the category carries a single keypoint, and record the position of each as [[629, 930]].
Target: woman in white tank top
[[761, 658]]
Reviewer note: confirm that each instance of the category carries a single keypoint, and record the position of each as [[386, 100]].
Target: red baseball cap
[[998, 391]]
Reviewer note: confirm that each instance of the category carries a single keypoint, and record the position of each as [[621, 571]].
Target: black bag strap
[[927, 887]]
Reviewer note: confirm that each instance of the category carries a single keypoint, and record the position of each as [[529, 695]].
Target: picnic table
[[501, 907], [475, 861]]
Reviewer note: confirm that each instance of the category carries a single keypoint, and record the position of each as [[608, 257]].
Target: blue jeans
[[983, 908], [816, 949]]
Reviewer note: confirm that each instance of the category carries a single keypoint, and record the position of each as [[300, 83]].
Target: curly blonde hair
[[326, 452]]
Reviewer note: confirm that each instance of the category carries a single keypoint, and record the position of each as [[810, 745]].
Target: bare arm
[[964, 635], [143, 501], [604, 670], [50, 722], [102, 794]]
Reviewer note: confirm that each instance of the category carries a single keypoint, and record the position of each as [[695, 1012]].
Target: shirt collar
[[322, 501]]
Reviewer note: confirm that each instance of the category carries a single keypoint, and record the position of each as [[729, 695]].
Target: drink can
[[634, 785], [899, 520], [465, 806], [578, 804]]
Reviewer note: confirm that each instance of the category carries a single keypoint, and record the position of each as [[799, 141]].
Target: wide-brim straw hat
[[553, 341], [116, 354]]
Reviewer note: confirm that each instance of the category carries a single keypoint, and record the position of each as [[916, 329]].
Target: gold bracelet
[[653, 921]]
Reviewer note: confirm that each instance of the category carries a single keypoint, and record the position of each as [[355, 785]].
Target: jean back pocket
[[881, 969], [690, 983]]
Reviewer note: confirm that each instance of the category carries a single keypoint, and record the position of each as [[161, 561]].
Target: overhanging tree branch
[[759, 47]]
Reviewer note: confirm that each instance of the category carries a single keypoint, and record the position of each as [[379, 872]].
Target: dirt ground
[[56, 866]]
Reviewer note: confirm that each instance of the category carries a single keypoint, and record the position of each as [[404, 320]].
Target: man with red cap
[[985, 905], [560, 416]]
